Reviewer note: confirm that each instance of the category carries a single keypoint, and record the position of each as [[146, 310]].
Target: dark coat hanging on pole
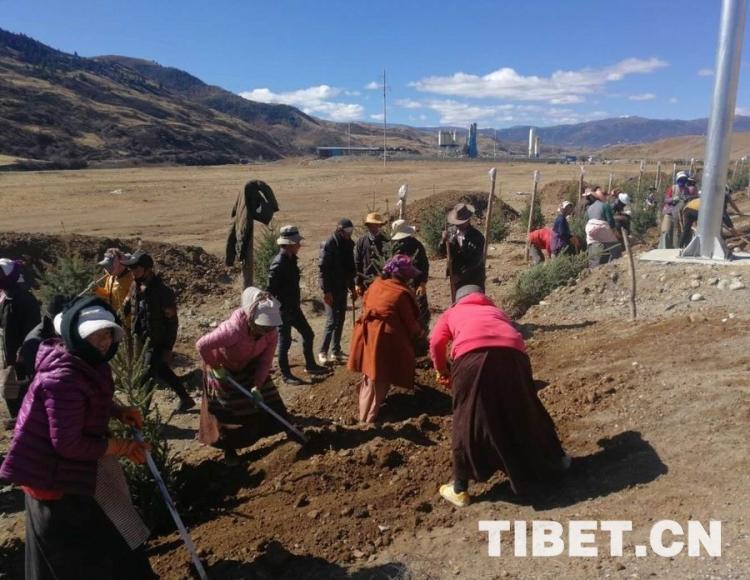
[[256, 202]]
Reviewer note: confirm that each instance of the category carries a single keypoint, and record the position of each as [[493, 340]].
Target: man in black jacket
[[283, 284], [153, 306], [369, 253], [337, 273], [19, 313], [404, 242], [464, 245]]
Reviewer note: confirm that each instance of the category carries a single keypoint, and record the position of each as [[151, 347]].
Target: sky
[[496, 63]]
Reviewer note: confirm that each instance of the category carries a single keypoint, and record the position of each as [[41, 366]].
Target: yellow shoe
[[457, 499]]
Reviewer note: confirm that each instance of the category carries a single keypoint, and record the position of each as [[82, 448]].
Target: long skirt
[[499, 423], [71, 538], [229, 419], [371, 396]]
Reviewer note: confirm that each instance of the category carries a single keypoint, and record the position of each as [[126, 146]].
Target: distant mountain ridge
[[615, 131]]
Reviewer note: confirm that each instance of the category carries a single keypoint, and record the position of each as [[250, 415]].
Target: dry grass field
[[191, 205]]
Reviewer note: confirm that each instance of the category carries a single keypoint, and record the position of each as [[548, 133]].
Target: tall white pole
[[708, 243]]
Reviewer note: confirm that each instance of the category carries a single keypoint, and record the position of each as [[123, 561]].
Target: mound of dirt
[[189, 270], [445, 200], [559, 189]]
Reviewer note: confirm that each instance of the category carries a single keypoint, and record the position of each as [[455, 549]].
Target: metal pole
[[385, 124], [708, 243]]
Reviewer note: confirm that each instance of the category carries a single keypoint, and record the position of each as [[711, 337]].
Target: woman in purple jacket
[[80, 520]]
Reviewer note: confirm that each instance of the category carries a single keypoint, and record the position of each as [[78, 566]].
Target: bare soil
[[654, 412]]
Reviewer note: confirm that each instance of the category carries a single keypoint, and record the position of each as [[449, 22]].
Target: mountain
[[616, 131], [69, 111], [686, 147]]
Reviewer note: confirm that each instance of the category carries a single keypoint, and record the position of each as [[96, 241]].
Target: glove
[[219, 373], [130, 416], [328, 299], [443, 379], [422, 289], [257, 395], [135, 451]]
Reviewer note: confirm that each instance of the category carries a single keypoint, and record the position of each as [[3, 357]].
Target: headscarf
[[10, 273], [260, 307], [401, 267]]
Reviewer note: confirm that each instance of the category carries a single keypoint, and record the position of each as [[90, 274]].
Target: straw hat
[[400, 230], [375, 218], [461, 213]]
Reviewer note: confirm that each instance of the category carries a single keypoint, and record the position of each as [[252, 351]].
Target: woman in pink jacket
[[498, 421], [242, 346]]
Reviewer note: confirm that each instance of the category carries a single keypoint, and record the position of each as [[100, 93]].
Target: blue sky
[[496, 63]]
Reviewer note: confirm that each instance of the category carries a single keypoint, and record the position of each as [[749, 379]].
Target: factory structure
[[534, 144]]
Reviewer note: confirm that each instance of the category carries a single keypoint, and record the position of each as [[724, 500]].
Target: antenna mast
[[385, 123]]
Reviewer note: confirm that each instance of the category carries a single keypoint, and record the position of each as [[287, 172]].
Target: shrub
[[537, 220], [135, 389], [69, 276], [263, 254], [642, 218], [532, 285], [499, 228], [432, 226]]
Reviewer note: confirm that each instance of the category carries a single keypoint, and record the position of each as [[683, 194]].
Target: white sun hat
[[91, 320], [265, 309], [400, 230]]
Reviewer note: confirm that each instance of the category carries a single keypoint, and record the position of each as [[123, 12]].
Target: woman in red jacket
[[80, 520], [499, 424]]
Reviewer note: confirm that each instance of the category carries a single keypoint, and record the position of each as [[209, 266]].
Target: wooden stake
[[640, 179], [692, 165], [531, 211], [247, 263], [488, 217], [657, 181], [631, 266], [674, 172], [609, 184]]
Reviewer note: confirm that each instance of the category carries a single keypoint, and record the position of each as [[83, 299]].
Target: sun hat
[[375, 218], [461, 213], [139, 258], [289, 236], [401, 266], [261, 307], [624, 198], [680, 175], [400, 230], [565, 204], [80, 319]]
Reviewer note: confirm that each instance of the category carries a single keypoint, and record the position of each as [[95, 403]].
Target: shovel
[[298, 435], [184, 534]]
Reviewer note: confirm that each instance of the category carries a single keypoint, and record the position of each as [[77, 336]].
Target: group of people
[[680, 210], [79, 516]]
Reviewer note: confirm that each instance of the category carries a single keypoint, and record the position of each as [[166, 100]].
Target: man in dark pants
[[466, 246], [283, 284], [403, 241], [337, 273], [154, 309], [369, 253], [19, 314]]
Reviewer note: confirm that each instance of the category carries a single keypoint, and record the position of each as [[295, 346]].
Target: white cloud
[[562, 87], [673, 100], [377, 117], [313, 101], [454, 112], [706, 72], [745, 111], [642, 97], [373, 86]]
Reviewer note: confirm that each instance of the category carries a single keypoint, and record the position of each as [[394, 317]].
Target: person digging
[[465, 245], [283, 284]]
